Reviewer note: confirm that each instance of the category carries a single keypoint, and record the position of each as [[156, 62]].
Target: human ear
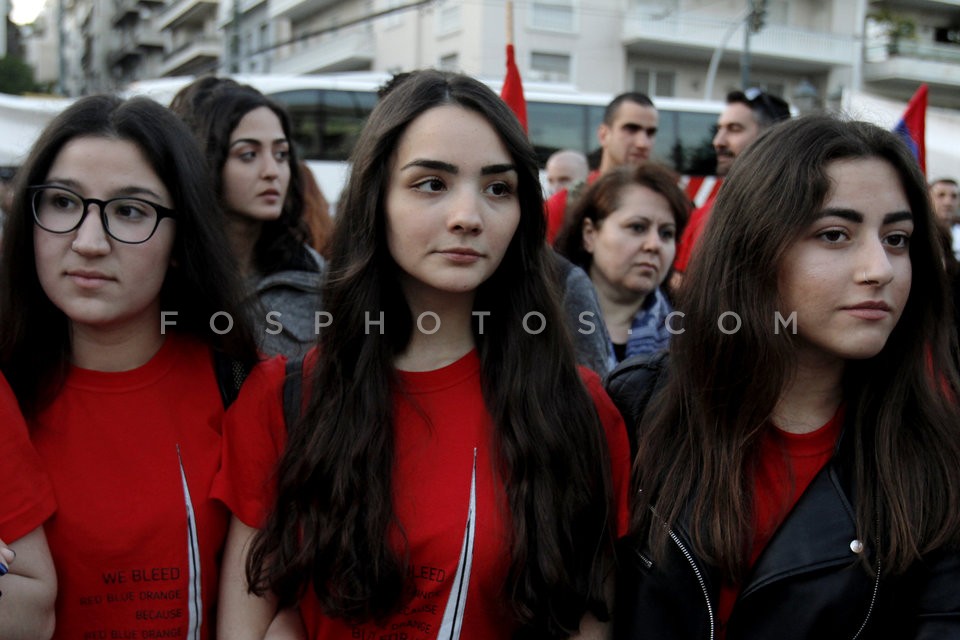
[[589, 234], [603, 131]]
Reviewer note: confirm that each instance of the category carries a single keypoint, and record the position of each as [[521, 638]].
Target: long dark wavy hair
[[700, 437], [213, 107], [329, 528], [200, 281]]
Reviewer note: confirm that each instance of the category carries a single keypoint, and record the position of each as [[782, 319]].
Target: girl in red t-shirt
[[799, 474], [453, 474], [114, 289], [29, 582]]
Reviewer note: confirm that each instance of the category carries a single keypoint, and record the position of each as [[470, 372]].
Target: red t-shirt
[[788, 463], [555, 208], [25, 491], [131, 456], [692, 232], [447, 496]]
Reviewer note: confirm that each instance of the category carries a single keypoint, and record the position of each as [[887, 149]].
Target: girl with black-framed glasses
[[114, 275]]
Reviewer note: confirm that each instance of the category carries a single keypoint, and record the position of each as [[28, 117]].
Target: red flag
[[912, 126], [512, 91]]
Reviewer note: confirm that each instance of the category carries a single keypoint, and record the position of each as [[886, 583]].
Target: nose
[[270, 167], [91, 237], [651, 242], [719, 140], [643, 140], [876, 269], [464, 216]]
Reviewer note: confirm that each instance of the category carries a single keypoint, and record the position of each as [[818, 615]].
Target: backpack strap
[[230, 374], [292, 391]]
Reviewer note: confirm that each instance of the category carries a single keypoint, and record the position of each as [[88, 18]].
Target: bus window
[[326, 123], [684, 141], [555, 126]]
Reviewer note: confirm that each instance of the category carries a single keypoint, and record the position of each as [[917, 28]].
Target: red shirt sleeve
[[254, 436], [25, 490], [617, 443]]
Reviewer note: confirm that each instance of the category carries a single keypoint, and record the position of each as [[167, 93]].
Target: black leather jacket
[[809, 582]]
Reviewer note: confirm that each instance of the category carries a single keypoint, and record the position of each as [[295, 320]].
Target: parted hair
[[329, 528], [213, 107], [602, 198], [699, 440], [200, 281]]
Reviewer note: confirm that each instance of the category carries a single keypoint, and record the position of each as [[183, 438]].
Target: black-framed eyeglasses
[[776, 109], [129, 220]]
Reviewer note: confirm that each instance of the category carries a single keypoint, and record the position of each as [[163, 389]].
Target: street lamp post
[[756, 13], [752, 20]]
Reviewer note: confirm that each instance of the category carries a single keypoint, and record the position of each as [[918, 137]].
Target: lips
[[869, 310], [879, 305], [88, 274], [461, 255], [465, 251], [88, 278], [270, 193]]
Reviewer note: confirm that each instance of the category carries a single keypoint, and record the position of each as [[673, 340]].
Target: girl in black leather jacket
[[798, 468]]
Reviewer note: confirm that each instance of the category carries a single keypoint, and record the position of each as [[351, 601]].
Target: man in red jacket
[[626, 137]]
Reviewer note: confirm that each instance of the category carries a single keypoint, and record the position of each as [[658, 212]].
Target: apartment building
[[910, 42], [809, 51]]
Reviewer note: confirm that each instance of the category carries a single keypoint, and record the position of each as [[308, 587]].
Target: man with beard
[[747, 114]]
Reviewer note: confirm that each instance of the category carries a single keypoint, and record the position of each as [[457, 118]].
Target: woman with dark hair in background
[[454, 474], [623, 232], [248, 145], [115, 288], [798, 476]]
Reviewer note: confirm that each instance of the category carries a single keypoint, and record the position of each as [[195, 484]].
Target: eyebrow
[[256, 142], [857, 217], [132, 191], [446, 167]]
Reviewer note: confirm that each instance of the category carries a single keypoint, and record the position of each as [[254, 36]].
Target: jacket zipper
[[876, 588], [696, 570]]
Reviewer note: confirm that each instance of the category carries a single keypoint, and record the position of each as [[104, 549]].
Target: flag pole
[[512, 90]]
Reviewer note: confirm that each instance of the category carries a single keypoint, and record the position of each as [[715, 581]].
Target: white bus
[[328, 112]]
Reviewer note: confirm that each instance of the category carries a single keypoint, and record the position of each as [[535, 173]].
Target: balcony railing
[[186, 11], [348, 49], [297, 9], [882, 49], [706, 34], [197, 53]]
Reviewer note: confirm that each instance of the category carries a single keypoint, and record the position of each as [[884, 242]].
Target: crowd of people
[[603, 415]]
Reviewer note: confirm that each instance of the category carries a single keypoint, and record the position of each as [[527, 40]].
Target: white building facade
[[809, 51]]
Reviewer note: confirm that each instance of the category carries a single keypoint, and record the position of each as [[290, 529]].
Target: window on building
[[777, 12], [393, 19], [654, 82], [264, 36], [448, 17], [449, 62], [550, 67], [555, 15]]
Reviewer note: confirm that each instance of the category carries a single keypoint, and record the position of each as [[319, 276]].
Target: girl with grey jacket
[[247, 140]]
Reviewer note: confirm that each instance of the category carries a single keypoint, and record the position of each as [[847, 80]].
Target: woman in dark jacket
[[798, 468]]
